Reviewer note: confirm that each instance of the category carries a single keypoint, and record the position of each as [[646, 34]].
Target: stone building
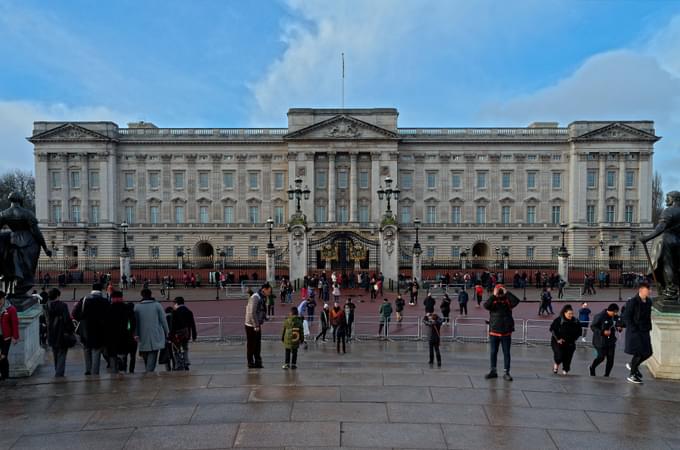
[[210, 191]]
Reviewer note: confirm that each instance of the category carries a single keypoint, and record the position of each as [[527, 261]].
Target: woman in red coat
[[9, 326]]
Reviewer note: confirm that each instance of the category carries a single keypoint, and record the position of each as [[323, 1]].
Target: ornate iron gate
[[342, 249]]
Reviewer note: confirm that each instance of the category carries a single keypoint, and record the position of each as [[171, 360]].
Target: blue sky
[[441, 63]]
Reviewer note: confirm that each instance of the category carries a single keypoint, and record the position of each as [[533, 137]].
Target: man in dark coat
[[604, 326], [92, 313], [122, 326], [501, 326], [429, 303], [638, 320], [183, 328]]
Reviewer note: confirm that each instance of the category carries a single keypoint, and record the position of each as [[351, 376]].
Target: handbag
[[70, 340]]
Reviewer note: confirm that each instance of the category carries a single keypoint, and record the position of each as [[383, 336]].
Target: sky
[[448, 63]]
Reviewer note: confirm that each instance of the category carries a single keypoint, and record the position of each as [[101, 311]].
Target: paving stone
[[494, 437], [89, 402], [339, 412], [427, 379], [637, 425], [478, 396], [385, 394], [392, 435], [85, 440], [296, 393], [425, 413], [140, 417], [320, 378], [45, 422], [196, 396], [519, 383], [288, 434], [242, 412], [605, 441], [254, 378], [551, 419], [206, 436]]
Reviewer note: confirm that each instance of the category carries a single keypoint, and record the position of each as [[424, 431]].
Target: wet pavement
[[378, 395]]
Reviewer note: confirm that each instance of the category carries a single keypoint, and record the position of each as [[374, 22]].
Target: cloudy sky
[[241, 64]]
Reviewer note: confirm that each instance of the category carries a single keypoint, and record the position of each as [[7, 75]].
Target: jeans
[[322, 334], [292, 352], [463, 308], [602, 353], [494, 343], [253, 346], [150, 360], [92, 360], [4, 362], [59, 355], [434, 350]]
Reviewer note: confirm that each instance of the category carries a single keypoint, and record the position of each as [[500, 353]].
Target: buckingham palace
[[205, 192]]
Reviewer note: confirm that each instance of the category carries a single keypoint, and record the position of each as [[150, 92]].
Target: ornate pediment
[[342, 127], [69, 132], [617, 132]]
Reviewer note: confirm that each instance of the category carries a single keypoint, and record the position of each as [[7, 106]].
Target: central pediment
[[69, 132], [342, 127], [617, 132]]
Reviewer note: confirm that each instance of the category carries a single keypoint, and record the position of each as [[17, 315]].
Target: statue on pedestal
[[665, 255], [19, 251]]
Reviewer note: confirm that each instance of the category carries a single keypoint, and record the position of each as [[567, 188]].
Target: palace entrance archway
[[341, 250]]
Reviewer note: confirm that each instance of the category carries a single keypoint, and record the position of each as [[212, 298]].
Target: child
[[291, 337]]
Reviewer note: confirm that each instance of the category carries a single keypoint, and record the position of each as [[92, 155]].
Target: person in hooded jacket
[[445, 308], [60, 331], [122, 326], [565, 330], [605, 325], [433, 325], [501, 327]]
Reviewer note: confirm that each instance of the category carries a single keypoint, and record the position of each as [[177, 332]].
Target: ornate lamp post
[[125, 253], [270, 225], [416, 269], [271, 271], [388, 193], [298, 193], [124, 227], [563, 255], [416, 247]]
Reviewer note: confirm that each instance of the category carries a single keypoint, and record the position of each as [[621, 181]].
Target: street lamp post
[[124, 226], [563, 230], [416, 269], [388, 193], [270, 225], [271, 271], [298, 193], [416, 246], [563, 255], [125, 253]]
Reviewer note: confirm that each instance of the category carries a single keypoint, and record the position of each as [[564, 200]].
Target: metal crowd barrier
[[537, 331], [480, 328], [209, 328]]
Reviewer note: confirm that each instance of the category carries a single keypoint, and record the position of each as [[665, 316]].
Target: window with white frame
[[591, 252], [94, 179], [505, 180], [75, 212], [630, 178], [611, 213], [431, 216], [154, 214], [431, 179], [531, 214], [320, 214], [279, 181], [253, 180], [481, 180], [611, 179], [556, 214], [253, 214], [405, 214], [363, 214], [204, 214], [321, 179], [55, 177], [406, 180], [591, 218], [629, 213], [253, 251], [343, 179], [178, 180], [130, 214], [154, 180], [455, 252], [94, 214], [429, 251], [481, 215], [455, 214], [129, 180], [557, 180], [531, 180], [279, 217], [204, 180], [229, 251], [456, 180], [154, 252], [75, 179], [530, 252], [56, 213], [228, 213], [505, 214], [363, 179], [228, 180], [342, 215], [179, 214], [592, 179]]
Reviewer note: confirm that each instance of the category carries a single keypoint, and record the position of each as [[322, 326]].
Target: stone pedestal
[[563, 266], [389, 254], [297, 251], [26, 355], [271, 267], [665, 362], [125, 265], [417, 267]]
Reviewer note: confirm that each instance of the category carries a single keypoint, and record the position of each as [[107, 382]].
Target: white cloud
[[16, 124], [626, 84]]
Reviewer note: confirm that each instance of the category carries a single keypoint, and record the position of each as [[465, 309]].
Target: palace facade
[[206, 192]]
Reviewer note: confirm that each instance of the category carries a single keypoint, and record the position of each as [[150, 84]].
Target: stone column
[[665, 335], [602, 191], [353, 206], [376, 208], [85, 189], [297, 241], [271, 265], [43, 185], [417, 268], [331, 186], [26, 355], [621, 208], [563, 266], [389, 253]]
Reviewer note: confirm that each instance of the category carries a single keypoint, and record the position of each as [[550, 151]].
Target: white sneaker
[[583, 339]]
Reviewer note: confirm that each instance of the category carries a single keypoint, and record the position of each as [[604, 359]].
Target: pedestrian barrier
[[209, 328], [537, 331], [470, 329], [406, 329], [571, 295]]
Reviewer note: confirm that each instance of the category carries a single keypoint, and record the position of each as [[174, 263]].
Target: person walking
[[584, 317], [463, 299], [605, 325], [256, 315], [565, 330], [60, 330], [182, 331], [336, 292], [291, 337], [479, 292], [334, 316], [414, 292], [340, 330], [429, 303], [91, 312], [122, 325], [445, 308], [324, 320], [638, 320], [302, 313], [433, 324], [399, 304], [152, 329], [385, 312], [501, 327], [9, 326], [349, 317]]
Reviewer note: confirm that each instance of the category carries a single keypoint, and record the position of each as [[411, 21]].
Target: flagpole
[[343, 80]]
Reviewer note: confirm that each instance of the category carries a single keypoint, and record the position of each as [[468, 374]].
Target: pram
[[178, 354]]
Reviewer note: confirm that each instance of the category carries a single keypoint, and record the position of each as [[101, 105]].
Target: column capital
[[375, 156]]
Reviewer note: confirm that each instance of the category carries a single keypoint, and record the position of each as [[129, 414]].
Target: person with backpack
[[605, 325], [565, 330], [325, 323], [91, 312], [501, 326], [256, 315], [445, 308], [60, 331], [463, 299], [292, 336], [182, 331], [122, 325], [433, 325], [385, 313]]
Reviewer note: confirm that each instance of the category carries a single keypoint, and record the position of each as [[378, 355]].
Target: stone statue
[[665, 259], [19, 250]]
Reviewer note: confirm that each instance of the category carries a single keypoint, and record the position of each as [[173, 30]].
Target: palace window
[[320, 214], [278, 180], [178, 178], [228, 213], [342, 215], [321, 179], [456, 181], [455, 252], [129, 180], [75, 213], [611, 213], [154, 214], [481, 180], [154, 180], [556, 215], [505, 214], [556, 180], [363, 214], [531, 214], [204, 180], [94, 179], [363, 179], [611, 179], [530, 252], [55, 176], [505, 180], [481, 215], [130, 214], [278, 215], [253, 251], [228, 180], [253, 180], [429, 251], [56, 213], [531, 180], [629, 213], [253, 214], [94, 214], [431, 180], [406, 180], [154, 252], [630, 178], [405, 214], [203, 214], [592, 179], [455, 214], [591, 218], [431, 214], [342, 179], [179, 214], [75, 179]]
